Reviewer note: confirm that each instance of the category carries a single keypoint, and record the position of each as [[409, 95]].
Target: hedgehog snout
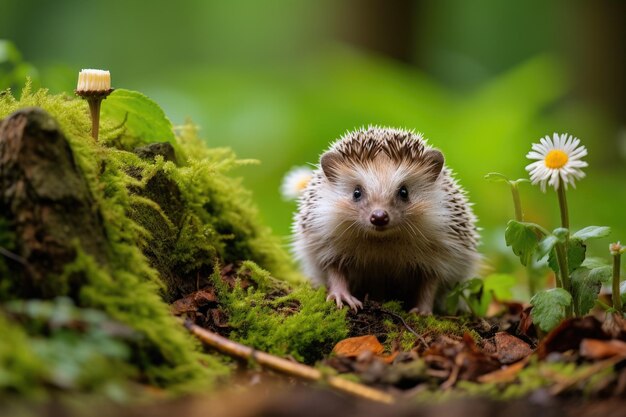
[[379, 218]]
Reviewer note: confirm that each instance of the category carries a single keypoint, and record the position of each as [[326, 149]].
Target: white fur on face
[[380, 181]]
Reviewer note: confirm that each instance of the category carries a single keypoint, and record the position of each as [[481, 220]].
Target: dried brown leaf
[[526, 326], [458, 360], [602, 349], [355, 346], [506, 374], [510, 349], [192, 302], [615, 326], [569, 334], [232, 276], [219, 318], [473, 361]]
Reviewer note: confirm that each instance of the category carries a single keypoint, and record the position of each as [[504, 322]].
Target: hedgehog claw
[[340, 297], [420, 312], [338, 290]]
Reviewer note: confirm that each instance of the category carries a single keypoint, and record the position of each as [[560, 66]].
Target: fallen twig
[[586, 374], [406, 325], [238, 350], [8, 254]]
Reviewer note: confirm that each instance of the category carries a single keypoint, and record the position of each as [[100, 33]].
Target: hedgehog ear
[[330, 162], [435, 160]]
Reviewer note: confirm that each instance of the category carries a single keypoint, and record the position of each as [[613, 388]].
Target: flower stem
[[561, 257], [94, 110], [563, 205], [562, 248], [519, 216], [617, 298], [94, 99], [530, 276]]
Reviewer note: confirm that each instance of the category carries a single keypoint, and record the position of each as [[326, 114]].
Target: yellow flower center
[[302, 183], [556, 159]]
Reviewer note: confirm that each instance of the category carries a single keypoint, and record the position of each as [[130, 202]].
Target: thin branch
[[238, 350], [8, 254], [405, 324], [585, 374]]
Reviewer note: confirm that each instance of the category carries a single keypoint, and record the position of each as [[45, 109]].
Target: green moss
[[436, 326], [217, 224], [269, 317], [128, 290], [197, 215], [224, 208], [165, 354], [54, 345], [168, 224], [536, 375], [20, 368], [433, 326]]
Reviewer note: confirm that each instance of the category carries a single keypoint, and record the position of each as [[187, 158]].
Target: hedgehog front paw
[[340, 296], [421, 311], [339, 291]]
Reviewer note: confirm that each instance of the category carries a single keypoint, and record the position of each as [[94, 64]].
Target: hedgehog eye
[[403, 193], [357, 193]]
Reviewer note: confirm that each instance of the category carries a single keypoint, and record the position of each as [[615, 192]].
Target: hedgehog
[[383, 217]]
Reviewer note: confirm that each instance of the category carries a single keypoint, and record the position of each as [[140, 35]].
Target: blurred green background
[[278, 80]]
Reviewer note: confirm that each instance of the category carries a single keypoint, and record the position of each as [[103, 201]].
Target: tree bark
[[48, 204]]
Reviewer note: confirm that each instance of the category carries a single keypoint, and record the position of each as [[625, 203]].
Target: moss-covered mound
[[165, 217], [269, 315]]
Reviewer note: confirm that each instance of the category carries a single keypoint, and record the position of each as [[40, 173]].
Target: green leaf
[[500, 285], [9, 53], [494, 285], [141, 116], [594, 262], [522, 238], [479, 293], [561, 233], [585, 289], [496, 177], [549, 308], [474, 285], [592, 232], [603, 274], [576, 253], [546, 245], [452, 299], [471, 290], [575, 256]]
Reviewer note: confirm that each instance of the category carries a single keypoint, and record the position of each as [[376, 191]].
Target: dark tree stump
[[48, 203]]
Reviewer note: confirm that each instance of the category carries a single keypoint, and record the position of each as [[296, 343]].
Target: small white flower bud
[[615, 248], [93, 80]]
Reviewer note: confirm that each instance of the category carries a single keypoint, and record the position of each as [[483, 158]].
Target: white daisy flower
[[558, 160], [295, 182]]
